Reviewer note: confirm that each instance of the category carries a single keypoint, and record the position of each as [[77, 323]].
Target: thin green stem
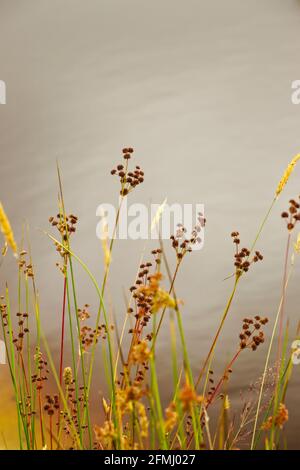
[[266, 367], [224, 316]]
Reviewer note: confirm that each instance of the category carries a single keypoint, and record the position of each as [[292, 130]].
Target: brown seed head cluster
[[26, 268], [251, 335], [292, 216], [211, 383], [83, 314], [23, 330], [52, 404], [242, 261], [18, 338], [157, 256], [70, 387], [87, 335], [183, 244], [66, 225], [148, 298], [128, 179], [142, 298], [43, 371]]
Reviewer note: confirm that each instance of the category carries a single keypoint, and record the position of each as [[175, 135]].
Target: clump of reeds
[[53, 395]]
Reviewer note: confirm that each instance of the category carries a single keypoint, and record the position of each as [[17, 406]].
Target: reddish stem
[[220, 383], [223, 378]]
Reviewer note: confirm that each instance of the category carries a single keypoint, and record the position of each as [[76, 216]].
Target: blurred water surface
[[202, 90]]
